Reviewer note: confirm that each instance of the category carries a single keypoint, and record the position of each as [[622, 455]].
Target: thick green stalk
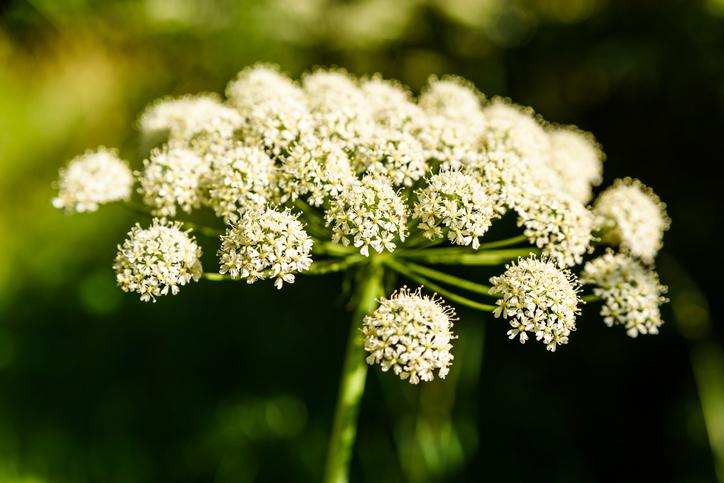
[[354, 374]]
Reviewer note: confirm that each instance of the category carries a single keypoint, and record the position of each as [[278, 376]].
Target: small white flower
[[241, 178], [630, 215], [265, 243], [514, 129], [392, 105], [157, 260], [173, 177], [316, 169], [190, 115], [91, 179], [339, 108], [274, 108], [454, 203], [395, 154], [453, 98], [631, 293], [453, 144], [511, 180], [537, 298], [368, 214], [410, 334], [577, 160], [558, 224]]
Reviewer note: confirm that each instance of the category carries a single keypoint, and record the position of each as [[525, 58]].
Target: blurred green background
[[232, 383]]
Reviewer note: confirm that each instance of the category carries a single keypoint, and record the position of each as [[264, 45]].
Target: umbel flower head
[[187, 116], [274, 108], [558, 224], [630, 215], [369, 214], [315, 169], [577, 160], [241, 178], [631, 293], [375, 170], [411, 334], [157, 260], [173, 178], [91, 179], [339, 108], [455, 204], [265, 243], [537, 298], [514, 129], [453, 98]]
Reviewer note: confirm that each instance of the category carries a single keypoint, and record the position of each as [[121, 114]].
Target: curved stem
[[323, 267], [455, 256], [591, 298], [216, 277], [449, 279], [202, 229], [354, 374], [406, 272], [504, 243], [333, 249]]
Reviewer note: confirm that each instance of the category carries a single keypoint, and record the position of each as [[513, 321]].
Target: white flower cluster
[[453, 98], [537, 298], [265, 244], [187, 116], [366, 162], [410, 334], [241, 178], [338, 107], [157, 260], [172, 177], [514, 129], [273, 107], [630, 215], [368, 214], [559, 225], [577, 159], [455, 203], [315, 169], [91, 179], [631, 293]]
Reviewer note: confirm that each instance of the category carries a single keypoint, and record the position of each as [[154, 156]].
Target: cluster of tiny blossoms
[[157, 260], [411, 334], [631, 292], [266, 244], [539, 299], [349, 168], [92, 179]]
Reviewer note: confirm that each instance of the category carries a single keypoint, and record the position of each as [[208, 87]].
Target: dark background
[[228, 382]]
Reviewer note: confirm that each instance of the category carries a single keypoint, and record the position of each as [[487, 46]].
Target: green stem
[[504, 243], [216, 277], [333, 249], [406, 272], [354, 373], [707, 362], [591, 298], [202, 229], [449, 279], [454, 256], [335, 265]]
